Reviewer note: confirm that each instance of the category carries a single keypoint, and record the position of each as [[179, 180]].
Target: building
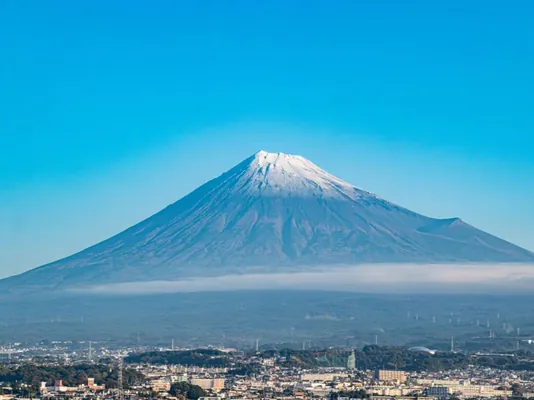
[[480, 391], [92, 386], [439, 392], [420, 349], [160, 385], [60, 388], [390, 376], [326, 377], [209, 383], [178, 378]]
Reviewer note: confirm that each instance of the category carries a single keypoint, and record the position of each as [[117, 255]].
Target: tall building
[[391, 376], [351, 362]]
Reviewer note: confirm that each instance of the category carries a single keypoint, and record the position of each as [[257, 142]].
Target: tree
[[518, 390], [187, 390]]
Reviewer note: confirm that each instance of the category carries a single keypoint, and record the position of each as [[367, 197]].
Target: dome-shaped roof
[[421, 349]]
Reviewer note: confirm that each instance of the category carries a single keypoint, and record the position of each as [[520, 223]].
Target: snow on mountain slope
[[273, 212]]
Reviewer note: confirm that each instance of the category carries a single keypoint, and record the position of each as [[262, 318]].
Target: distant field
[[278, 318]]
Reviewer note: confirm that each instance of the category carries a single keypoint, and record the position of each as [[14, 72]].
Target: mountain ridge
[[271, 212]]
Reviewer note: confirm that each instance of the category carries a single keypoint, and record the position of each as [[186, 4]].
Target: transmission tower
[[119, 380]]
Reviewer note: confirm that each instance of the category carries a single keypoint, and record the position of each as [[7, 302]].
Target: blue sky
[[110, 110]]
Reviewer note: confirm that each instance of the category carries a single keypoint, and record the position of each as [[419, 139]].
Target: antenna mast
[[120, 379]]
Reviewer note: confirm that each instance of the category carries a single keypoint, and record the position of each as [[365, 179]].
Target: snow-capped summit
[[272, 212], [280, 174]]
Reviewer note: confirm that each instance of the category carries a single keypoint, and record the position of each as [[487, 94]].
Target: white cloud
[[376, 278]]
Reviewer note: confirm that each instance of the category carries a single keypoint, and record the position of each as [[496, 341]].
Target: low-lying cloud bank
[[376, 278]]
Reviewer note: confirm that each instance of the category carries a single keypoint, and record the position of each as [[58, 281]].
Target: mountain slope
[[272, 212]]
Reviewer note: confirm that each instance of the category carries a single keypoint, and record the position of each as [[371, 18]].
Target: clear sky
[[111, 110]]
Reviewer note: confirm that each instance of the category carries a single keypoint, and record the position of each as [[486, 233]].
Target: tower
[[90, 355], [119, 380], [351, 362], [452, 344]]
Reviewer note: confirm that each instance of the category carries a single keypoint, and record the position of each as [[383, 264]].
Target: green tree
[[187, 390]]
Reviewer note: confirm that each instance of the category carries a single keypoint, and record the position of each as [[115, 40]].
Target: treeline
[[378, 357], [71, 375], [383, 357], [370, 357], [197, 358]]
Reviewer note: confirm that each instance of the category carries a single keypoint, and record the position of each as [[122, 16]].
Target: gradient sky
[[111, 110]]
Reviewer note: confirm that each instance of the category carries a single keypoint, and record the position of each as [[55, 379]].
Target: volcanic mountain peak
[[280, 174], [271, 213]]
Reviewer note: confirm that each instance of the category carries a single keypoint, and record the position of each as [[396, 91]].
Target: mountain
[[272, 212]]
